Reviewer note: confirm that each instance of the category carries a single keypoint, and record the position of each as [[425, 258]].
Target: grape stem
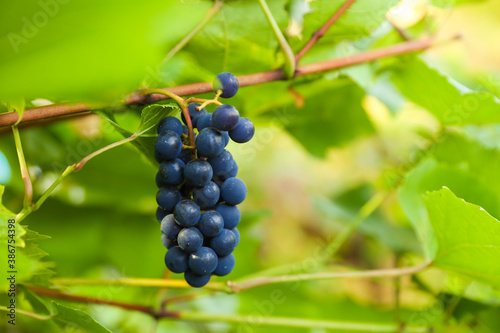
[[138, 97], [210, 101]]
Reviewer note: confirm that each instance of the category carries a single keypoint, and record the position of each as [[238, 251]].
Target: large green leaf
[[450, 102], [74, 319], [82, 49], [468, 238]]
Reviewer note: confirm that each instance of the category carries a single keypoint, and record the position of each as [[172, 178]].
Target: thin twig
[[321, 32], [138, 97]]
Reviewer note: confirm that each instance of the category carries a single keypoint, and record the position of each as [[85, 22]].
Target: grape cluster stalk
[[198, 189]]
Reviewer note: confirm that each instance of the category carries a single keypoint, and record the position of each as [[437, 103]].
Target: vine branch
[[321, 31], [138, 97]]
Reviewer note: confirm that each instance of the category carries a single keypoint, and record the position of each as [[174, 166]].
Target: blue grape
[[203, 261], [210, 142], [224, 243], [167, 242], [168, 145], [185, 156], [225, 265], [172, 172], [230, 214], [232, 173], [211, 224], [243, 131], [226, 82], [225, 117], [187, 213], [169, 227], [237, 234], [195, 280], [206, 196], [190, 239], [204, 122], [233, 191], [195, 115], [225, 134], [176, 260], [161, 213], [221, 164], [170, 124], [167, 197], [159, 181], [198, 173]]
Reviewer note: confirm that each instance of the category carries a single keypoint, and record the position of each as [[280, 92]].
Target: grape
[[233, 191], [185, 156], [237, 234], [206, 196], [226, 82], [243, 131], [211, 224], [224, 243], [170, 124], [187, 213], [169, 227], [230, 214], [204, 122], [176, 260], [225, 117], [190, 239], [161, 213], [232, 173], [225, 265], [172, 172], [195, 115], [168, 145], [167, 197], [210, 142], [221, 164], [195, 280], [159, 181], [203, 261], [198, 173], [167, 242], [225, 134]]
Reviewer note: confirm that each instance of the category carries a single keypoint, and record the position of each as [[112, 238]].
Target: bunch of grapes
[[198, 189]]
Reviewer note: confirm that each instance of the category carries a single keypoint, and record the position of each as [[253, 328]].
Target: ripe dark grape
[[206, 196], [225, 265], [210, 142], [203, 261], [177, 260], [225, 117], [168, 145], [230, 214], [195, 115], [172, 172], [222, 164], [198, 173], [187, 213], [169, 227], [233, 191], [190, 239], [211, 224], [243, 131], [195, 280], [167, 197], [192, 180], [226, 82], [224, 243], [170, 124]]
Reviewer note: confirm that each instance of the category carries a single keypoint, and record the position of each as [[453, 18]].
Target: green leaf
[[38, 304], [336, 105], [450, 102], [70, 319], [468, 238], [450, 3], [52, 49]]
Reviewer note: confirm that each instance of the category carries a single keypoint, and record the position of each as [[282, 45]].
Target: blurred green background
[[325, 144]]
